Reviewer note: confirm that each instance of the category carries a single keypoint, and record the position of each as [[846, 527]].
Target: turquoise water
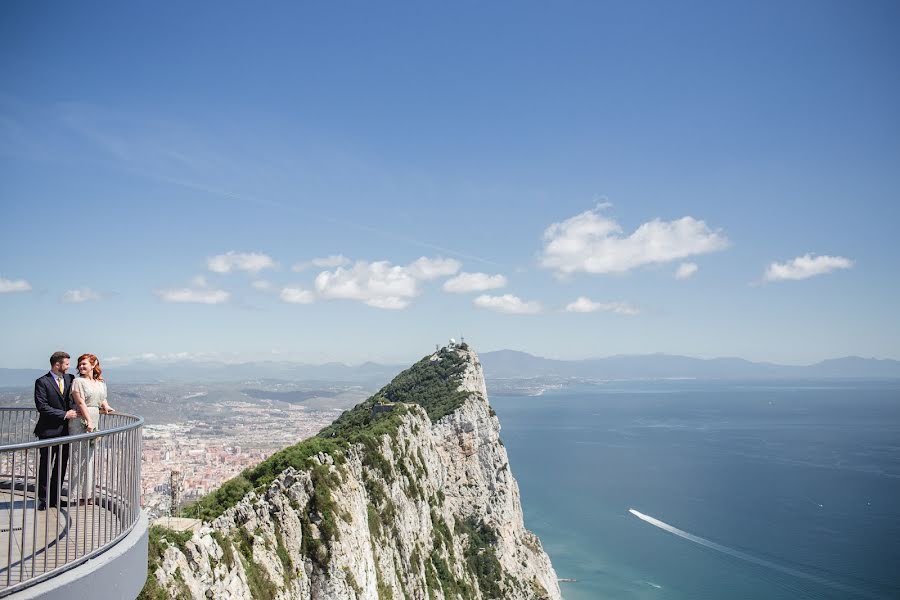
[[781, 490]]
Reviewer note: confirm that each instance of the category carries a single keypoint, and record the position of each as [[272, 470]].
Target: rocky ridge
[[401, 508]]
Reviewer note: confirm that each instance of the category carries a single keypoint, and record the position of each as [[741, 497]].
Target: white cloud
[[586, 305], [297, 295], [80, 295], [381, 284], [431, 268], [200, 293], [474, 282], [377, 284], [593, 243], [251, 262], [327, 262], [806, 266], [686, 270], [9, 286], [262, 285], [507, 303], [193, 296]]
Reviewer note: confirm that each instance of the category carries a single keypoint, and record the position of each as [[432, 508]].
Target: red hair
[[95, 362]]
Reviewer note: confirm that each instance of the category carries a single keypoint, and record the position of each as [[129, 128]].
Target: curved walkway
[[34, 542]]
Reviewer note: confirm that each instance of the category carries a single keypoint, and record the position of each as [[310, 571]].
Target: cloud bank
[[593, 243], [381, 284]]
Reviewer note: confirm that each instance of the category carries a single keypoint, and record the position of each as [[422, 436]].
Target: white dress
[[81, 477]]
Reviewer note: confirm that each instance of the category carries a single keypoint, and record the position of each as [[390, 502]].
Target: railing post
[[12, 511]]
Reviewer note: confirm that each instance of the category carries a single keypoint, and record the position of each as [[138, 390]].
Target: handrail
[[39, 443], [90, 485]]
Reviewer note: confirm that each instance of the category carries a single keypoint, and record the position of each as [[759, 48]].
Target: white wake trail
[[747, 557]]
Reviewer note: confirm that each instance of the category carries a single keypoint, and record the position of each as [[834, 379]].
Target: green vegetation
[[375, 524], [385, 592], [182, 591], [227, 550], [429, 383], [540, 593], [481, 555], [261, 587], [431, 579], [452, 587], [441, 532], [287, 564], [351, 581], [259, 477], [159, 539]]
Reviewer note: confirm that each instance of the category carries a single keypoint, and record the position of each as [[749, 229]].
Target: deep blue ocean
[[775, 490]]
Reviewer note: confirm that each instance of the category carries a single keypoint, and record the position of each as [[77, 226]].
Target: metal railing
[[80, 504]]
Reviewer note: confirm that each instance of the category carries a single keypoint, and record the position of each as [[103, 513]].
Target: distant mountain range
[[515, 365], [208, 372], [502, 364]]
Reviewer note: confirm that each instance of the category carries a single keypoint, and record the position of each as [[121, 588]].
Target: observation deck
[[90, 540]]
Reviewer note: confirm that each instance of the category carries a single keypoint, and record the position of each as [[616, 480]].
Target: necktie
[[61, 385]]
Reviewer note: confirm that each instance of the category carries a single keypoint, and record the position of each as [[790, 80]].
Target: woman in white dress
[[89, 394]]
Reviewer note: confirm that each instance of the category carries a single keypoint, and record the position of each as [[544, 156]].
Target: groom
[[51, 398]]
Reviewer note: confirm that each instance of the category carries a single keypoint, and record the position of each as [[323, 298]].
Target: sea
[[689, 490]]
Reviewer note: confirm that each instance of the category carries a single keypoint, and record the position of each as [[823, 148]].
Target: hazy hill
[[512, 365], [212, 372]]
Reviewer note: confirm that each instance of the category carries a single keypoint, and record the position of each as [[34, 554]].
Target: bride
[[89, 394]]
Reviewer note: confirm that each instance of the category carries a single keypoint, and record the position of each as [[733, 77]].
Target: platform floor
[[33, 542]]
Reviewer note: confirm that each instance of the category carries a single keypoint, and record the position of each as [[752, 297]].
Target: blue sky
[[174, 177]]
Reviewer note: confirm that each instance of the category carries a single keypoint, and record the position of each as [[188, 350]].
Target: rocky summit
[[409, 495]]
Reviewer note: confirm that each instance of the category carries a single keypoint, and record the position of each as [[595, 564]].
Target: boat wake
[[747, 557]]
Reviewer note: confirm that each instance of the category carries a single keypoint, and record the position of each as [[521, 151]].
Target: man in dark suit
[[51, 398]]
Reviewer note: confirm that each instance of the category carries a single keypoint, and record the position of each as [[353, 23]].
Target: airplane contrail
[[747, 557]]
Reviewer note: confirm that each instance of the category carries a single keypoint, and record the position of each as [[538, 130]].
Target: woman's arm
[[82, 407], [104, 405]]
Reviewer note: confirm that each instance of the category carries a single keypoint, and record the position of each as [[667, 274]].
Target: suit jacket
[[52, 406]]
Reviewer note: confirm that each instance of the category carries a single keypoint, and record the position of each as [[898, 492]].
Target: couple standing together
[[68, 405]]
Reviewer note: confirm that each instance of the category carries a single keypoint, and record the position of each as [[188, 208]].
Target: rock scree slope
[[407, 496]]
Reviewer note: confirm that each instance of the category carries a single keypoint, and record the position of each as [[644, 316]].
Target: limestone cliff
[[413, 500]]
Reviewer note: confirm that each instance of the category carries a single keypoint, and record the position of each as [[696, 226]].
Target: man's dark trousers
[[53, 458], [52, 406]]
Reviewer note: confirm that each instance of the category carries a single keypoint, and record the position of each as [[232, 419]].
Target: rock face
[[426, 511]]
